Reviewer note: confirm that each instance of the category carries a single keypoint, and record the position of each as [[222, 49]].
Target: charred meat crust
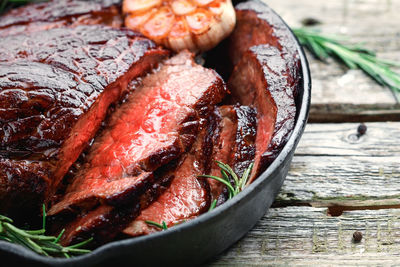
[[53, 96], [145, 132], [102, 224], [270, 93], [60, 13], [22, 187], [187, 196], [245, 145], [149, 123], [257, 24], [264, 51], [234, 144]]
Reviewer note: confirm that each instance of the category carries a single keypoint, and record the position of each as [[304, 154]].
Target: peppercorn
[[362, 129], [310, 22], [357, 236]]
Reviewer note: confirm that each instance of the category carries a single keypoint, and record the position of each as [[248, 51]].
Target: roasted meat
[[187, 196], [266, 76], [233, 144], [59, 14], [157, 124], [260, 80], [55, 88]]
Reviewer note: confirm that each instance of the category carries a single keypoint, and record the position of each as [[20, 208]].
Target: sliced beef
[[266, 75], [60, 13], [224, 142], [55, 88], [108, 220], [234, 144], [257, 24], [157, 124], [245, 141], [260, 80], [105, 222], [188, 196]]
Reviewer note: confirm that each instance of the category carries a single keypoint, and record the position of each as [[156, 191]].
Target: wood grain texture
[[340, 94], [334, 172], [308, 236], [332, 161]]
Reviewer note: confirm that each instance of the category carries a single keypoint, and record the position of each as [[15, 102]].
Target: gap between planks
[[307, 236], [340, 94], [332, 167], [336, 169]]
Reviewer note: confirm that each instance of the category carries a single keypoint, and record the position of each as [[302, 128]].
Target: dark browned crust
[[60, 13], [22, 187], [102, 224], [202, 149], [47, 88], [258, 24], [262, 44], [245, 146], [269, 81]]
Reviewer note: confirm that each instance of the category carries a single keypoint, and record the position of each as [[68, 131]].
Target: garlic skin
[[196, 25]]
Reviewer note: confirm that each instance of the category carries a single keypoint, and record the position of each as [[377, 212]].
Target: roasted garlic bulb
[[197, 25]]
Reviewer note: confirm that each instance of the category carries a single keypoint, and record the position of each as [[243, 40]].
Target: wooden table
[[338, 183]]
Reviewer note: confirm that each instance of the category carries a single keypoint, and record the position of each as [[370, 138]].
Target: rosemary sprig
[[238, 183], [213, 205], [36, 241], [163, 225], [354, 57]]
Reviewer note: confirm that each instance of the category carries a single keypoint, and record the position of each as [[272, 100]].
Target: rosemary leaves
[[37, 241], [354, 57], [238, 183]]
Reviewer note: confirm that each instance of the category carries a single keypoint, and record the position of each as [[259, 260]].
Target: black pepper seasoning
[[362, 129], [357, 236]]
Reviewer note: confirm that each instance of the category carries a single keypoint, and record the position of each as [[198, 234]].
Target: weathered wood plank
[[308, 236], [331, 162], [380, 139], [333, 173], [340, 94], [339, 113]]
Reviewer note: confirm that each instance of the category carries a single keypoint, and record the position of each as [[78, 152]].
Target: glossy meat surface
[[60, 13], [264, 52], [102, 224], [157, 123], [224, 143], [271, 94], [257, 24], [55, 88], [234, 144], [187, 196], [245, 141]]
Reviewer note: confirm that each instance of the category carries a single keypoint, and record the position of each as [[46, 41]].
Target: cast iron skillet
[[196, 241]]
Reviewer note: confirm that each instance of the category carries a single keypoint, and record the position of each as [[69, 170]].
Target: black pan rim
[[100, 253]]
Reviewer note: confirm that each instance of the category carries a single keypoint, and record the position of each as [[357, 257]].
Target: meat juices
[[157, 124], [58, 78], [187, 196], [55, 89]]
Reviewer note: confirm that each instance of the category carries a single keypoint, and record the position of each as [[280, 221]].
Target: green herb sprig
[[238, 183], [323, 46], [37, 241], [163, 225]]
